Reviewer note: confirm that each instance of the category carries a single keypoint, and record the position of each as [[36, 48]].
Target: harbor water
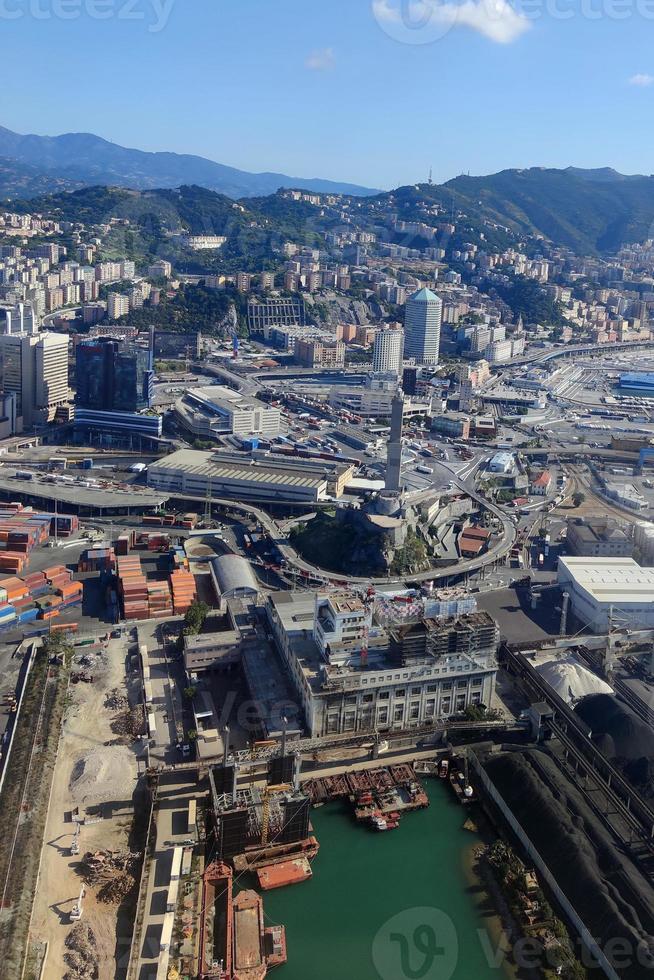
[[389, 905]]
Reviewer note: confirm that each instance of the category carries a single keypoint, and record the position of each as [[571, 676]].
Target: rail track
[[24, 805], [625, 801]]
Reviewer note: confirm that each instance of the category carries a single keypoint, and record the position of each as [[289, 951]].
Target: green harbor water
[[371, 889]]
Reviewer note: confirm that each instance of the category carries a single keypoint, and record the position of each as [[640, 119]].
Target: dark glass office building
[[113, 376]]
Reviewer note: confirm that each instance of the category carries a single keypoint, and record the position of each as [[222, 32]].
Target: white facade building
[[372, 680], [388, 351], [218, 410], [34, 367], [117, 305]]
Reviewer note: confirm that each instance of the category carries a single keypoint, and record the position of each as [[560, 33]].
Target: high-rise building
[[113, 376], [422, 327], [22, 319], [388, 350], [117, 305], [34, 368]]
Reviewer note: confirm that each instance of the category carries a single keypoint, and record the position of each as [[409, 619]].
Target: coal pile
[[622, 737], [613, 899]]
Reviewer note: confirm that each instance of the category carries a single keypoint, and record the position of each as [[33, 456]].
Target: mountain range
[[32, 165], [588, 211]]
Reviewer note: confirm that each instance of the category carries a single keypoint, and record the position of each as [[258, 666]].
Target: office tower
[[113, 376], [34, 367], [422, 327], [387, 352], [394, 447]]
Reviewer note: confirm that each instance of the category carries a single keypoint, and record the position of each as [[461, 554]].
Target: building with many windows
[[422, 327], [352, 675], [113, 375], [320, 353], [34, 368], [218, 410], [388, 351], [598, 537]]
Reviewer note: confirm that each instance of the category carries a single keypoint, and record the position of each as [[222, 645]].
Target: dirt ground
[[87, 727]]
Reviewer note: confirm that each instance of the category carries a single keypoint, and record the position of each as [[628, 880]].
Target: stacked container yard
[[188, 521], [23, 529], [182, 585], [160, 601], [97, 559], [41, 595], [158, 542], [133, 587]]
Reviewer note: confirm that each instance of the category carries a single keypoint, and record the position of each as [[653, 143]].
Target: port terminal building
[[207, 474]]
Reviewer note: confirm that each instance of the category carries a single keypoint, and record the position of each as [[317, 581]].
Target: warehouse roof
[[234, 576], [251, 471], [610, 580]]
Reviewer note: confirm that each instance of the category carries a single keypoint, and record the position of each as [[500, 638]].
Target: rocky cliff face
[[328, 310]]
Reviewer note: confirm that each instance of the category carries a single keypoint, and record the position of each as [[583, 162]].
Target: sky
[[371, 91]]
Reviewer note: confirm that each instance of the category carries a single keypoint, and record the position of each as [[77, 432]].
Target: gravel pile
[[612, 898], [103, 774], [571, 680]]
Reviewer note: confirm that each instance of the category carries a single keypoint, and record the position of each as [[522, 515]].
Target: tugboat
[[389, 822]]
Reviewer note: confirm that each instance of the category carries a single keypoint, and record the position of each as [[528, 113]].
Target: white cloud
[[421, 21], [642, 80], [320, 60]]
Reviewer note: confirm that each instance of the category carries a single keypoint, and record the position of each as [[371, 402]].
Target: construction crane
[[74, 847], [77, 910], [265, 809]]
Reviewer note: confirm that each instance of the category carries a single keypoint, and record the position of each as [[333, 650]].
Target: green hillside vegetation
[[529, 300], [192, 307], [587, 211]]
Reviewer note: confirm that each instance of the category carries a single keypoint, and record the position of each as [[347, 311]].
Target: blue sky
[[342, 88]]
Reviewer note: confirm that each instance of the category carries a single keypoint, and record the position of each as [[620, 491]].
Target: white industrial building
[[218, 410], [605, 588], [374, 401], [501, 463], [201, 474]]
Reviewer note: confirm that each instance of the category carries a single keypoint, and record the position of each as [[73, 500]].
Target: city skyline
[[411, 82]]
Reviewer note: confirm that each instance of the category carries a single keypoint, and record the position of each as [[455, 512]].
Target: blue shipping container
[[28, 616]]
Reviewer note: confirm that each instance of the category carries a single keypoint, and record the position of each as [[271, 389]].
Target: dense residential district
[[326, 500]]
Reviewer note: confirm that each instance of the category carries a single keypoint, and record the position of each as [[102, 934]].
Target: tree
[[190, 692], [58, 645], [578, 498], [195, 617]]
